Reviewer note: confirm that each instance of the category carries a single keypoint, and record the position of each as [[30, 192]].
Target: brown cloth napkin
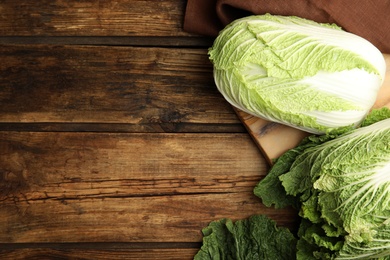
[[369, 19]]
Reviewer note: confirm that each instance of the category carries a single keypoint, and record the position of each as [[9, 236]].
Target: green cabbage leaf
[[341, 186], [312, 76], [257, 237]]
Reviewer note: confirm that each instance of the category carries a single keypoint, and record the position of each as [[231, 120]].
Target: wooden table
[[114, 142]]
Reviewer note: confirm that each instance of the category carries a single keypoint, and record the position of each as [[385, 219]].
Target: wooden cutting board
[[274, 139]]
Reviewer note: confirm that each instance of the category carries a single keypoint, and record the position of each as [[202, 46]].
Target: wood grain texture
[[143, 41], [114, 141], [274, 139], [149, 89], [146, 219], [99, 254], [92, 18], [74, 187]]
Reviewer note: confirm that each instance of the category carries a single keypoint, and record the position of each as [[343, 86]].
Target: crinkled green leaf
[[270, 189], [255, 238], [342, 184], [345, 184], [290, 70], [376, 115]]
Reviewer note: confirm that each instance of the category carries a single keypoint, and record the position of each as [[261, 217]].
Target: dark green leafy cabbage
[[341, 185], [340, 182], [255, 238]]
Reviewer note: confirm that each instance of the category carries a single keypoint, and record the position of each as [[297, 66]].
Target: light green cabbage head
[[315, 77], [344, 187], [341, 186]]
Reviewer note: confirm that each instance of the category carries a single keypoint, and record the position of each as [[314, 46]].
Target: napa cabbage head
[[341, 186], [344, 187], [311, 76]]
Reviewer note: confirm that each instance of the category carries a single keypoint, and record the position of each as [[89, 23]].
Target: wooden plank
[[96, 187], [92, 18], [126, 164], [96, 254], [149, 41], [274, 139], [124, 85], [166, 127], [135, 219]]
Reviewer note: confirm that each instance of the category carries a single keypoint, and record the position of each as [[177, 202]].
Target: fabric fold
[[366, 18]]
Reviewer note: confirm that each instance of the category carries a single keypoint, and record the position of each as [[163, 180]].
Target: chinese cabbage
[[311, 76]]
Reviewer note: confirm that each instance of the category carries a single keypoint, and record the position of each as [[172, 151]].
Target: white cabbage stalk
[[311, 76]]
